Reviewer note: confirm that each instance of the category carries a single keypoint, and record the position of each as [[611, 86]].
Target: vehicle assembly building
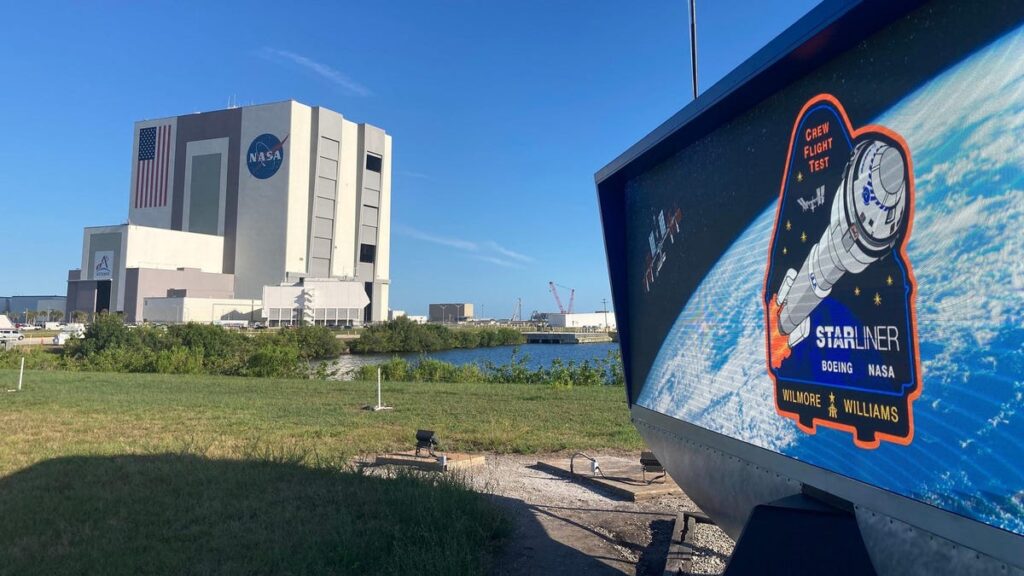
[[224, 203]]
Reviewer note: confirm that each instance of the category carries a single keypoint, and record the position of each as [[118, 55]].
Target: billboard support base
[[800, 535]]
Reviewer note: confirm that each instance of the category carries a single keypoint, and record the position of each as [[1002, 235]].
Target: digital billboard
[[835, 273]]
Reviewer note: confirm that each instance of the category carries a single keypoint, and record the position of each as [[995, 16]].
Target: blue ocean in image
[[967, 253]]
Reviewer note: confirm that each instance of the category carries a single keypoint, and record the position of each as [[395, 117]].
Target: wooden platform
[[425, 461], [625, 481]]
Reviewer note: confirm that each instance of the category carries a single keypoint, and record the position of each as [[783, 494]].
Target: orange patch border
[[854, 133]]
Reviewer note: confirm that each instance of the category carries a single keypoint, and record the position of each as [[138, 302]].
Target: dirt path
[[565, 528]]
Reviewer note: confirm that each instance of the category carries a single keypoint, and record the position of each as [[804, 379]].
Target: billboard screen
[[836, 272]]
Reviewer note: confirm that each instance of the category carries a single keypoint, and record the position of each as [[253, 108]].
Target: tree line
[[404, 335]]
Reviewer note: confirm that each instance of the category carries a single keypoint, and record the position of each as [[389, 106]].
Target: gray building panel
[[81, 295], [453, 312], [207, 126], [204, 194]]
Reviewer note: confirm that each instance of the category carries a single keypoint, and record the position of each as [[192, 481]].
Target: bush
[[313, 342], [404, 335], [35, 359], [601, 372], [273, 361], [111, 346]]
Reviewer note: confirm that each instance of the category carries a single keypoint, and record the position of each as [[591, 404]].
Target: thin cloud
[[509, 253], [499, 261], [326, 72], [418, 175], [441, 240], [487, 251]]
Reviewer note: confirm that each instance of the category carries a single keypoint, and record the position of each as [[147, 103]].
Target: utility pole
[[604, 301], [693, 44]]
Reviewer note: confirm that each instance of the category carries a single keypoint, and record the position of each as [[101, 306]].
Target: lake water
[[536, 355]]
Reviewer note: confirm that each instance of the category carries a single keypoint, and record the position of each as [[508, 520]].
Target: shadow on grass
[[187, 514]]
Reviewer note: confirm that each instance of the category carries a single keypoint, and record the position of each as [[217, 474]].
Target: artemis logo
[[265, 155]]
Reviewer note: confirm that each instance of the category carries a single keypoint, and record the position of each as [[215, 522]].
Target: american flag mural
[[151, 173]]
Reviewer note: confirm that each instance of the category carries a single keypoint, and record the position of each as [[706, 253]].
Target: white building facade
[[318, 301], [287, 190], [597, 320]]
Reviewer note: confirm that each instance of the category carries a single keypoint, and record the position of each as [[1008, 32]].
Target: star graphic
[[799, 176], [878, 299], [888, 281], [784, 251], [831, 397], [803, 236], [788, 225], [856, 290]]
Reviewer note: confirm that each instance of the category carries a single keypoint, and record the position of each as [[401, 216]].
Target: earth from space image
[[967, 251]]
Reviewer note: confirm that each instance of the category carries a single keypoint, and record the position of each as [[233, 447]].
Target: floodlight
[[426, 439]]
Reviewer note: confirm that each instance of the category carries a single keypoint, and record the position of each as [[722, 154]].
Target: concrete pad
[[424, 461], [623, 480]]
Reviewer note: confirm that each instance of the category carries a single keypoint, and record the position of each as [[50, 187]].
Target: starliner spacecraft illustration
[[866, 220]]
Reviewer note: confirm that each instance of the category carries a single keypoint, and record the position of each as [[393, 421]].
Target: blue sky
[[501, 114]]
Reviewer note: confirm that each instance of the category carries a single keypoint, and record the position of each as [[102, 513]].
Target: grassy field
[[128, 473]]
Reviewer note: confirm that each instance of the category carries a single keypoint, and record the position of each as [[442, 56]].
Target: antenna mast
[[693, 44]]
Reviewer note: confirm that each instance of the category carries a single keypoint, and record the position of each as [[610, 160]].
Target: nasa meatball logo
[[265, 156], [839, 290]]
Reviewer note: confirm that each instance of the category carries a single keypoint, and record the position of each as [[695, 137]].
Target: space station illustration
[[839, 291], [663, 229]]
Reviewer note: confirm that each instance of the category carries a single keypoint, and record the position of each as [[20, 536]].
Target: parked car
[[10, 334]]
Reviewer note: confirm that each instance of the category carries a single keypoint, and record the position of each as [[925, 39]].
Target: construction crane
[[517, 312], [572, 297]]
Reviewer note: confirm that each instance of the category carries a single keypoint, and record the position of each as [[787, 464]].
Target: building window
[[374, 163], [367, 253]]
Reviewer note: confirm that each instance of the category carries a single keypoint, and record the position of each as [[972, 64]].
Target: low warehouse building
[[181, 309], [319, 301], [602, 320]]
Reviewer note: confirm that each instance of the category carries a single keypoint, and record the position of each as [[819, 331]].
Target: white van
[[10, 334]]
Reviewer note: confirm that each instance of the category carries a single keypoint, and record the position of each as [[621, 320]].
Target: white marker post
[[21, 374], [380, 404]]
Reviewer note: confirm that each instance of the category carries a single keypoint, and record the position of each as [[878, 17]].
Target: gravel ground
[[565, 528]]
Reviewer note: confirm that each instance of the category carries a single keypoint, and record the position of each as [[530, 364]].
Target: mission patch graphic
[[839, 289]]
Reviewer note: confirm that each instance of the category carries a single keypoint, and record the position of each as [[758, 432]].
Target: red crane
[[572, 297]]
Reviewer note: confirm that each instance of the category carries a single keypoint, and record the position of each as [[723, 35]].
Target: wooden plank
[[680, 549], [626, 483], [456, 460]]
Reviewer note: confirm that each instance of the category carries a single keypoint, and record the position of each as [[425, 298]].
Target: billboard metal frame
[[828, 30]]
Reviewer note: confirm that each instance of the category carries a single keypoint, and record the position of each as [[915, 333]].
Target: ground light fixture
[[426, 440], [649, 464]]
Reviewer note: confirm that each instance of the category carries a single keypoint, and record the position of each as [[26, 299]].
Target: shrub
[[111, 346], [404, 335], [600, 372], [313, 342], [270, 360]]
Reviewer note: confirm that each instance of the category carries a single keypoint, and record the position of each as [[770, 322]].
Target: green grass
[[186, 514], [133, 473], [88, 413]]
